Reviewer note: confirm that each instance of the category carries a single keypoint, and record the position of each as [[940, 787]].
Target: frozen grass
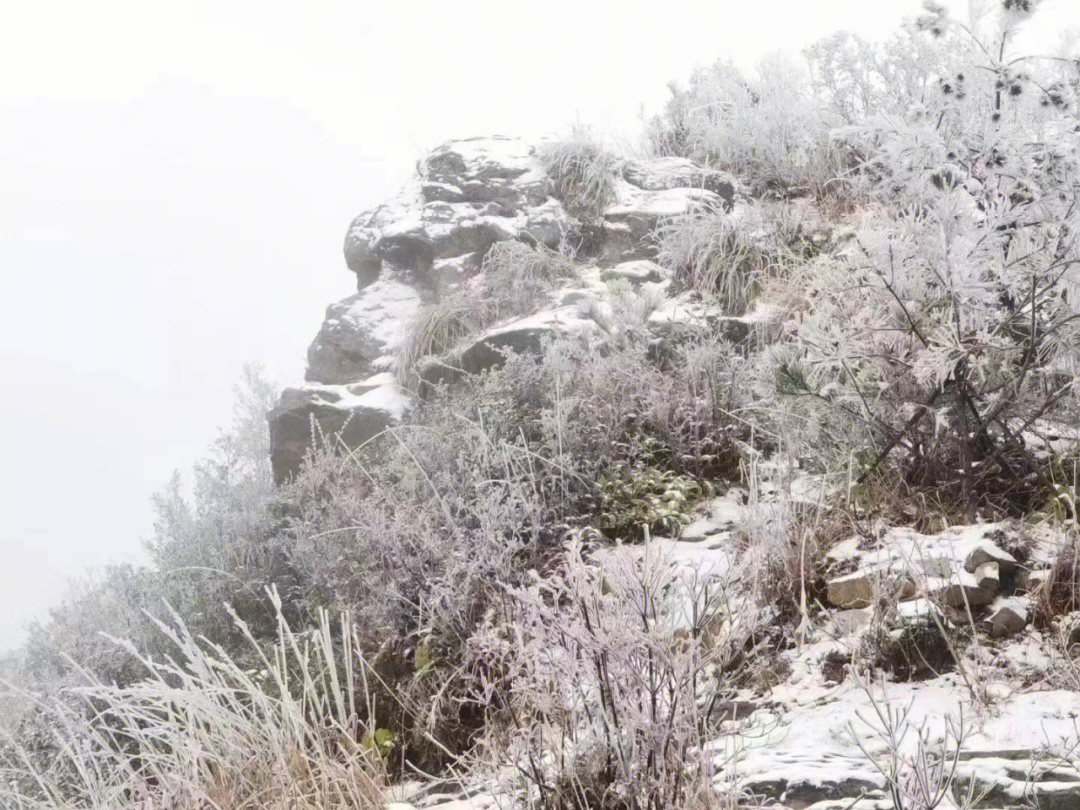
[[517, 278], [435, 330], [710, 254], [200, 730], [583, 174]]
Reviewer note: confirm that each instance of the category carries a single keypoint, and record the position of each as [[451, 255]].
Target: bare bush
[[919, 765]]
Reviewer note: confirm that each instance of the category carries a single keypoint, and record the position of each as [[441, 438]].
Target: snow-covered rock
[[805, 749], [332, 415], [467, 195], [1006, 616], [523, 335], [361, 332]]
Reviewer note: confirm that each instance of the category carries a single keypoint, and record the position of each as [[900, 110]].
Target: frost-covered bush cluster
[[948, 328]]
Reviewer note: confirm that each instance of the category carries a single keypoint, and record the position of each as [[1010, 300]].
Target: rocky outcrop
[[432, 238], [466, 196]]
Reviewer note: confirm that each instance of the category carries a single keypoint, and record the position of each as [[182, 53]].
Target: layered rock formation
[[432, 238]]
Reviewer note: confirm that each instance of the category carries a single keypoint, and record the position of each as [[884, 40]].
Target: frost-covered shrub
[[858, 80], [949, 328], [217, 544], [413, 540], [609, 410], [767, 129]]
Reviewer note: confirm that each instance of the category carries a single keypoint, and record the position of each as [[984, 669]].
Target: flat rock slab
[[802, 753]]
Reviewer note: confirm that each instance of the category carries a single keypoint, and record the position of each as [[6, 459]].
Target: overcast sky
[[175, 185]]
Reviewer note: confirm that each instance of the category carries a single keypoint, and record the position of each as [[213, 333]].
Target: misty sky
[[175, 185]]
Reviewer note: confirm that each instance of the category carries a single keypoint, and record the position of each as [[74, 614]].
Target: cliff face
[[431, 240]]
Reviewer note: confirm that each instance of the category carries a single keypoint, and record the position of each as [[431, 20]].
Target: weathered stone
[[332, 414], [847, 622], [795, 789], [627, 231], [469, 195], [522, 335], [1031, 581], [916, 610], [1006, 616], [664, 173], [844, 551], [635, 272], [361, 331], [984, 551], [851, 590], [958, 592], [682, 315]]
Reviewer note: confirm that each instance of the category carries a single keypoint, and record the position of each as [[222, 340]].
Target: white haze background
[[175, 185]]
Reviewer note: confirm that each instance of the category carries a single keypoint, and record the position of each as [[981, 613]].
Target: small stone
[[851, 590], [916, 610], [1030, 581], [987, 576], [984, 551], [959, 592], [1006, 616], [634, 272], [843, 551]]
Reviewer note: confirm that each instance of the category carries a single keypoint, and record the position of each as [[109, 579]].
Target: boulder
[[522, 335], [628, 227], [665, 173], [468, 194], [334, 416], [360, 333]]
